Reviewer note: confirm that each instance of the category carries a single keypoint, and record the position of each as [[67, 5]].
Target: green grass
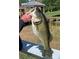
[[52, 14], [26, 55]]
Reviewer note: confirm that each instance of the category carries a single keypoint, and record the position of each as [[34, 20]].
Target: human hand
[[26, 17]]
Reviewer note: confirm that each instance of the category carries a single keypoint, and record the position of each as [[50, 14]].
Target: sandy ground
[[27, 35]]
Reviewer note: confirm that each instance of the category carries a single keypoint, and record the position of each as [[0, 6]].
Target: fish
[[41, 29]]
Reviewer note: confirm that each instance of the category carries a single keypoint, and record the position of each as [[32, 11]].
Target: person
[[23, 21]]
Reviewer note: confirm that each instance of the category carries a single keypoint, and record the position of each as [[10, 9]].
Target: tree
[[52, 5], [22, 1]]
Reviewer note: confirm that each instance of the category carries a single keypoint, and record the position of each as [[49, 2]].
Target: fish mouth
[[37, 23]]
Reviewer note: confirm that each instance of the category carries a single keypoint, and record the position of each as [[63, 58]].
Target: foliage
[[54, 13], [51, 5], [23, 1]]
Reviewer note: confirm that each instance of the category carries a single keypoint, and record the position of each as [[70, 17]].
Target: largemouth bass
[[41, 28]]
